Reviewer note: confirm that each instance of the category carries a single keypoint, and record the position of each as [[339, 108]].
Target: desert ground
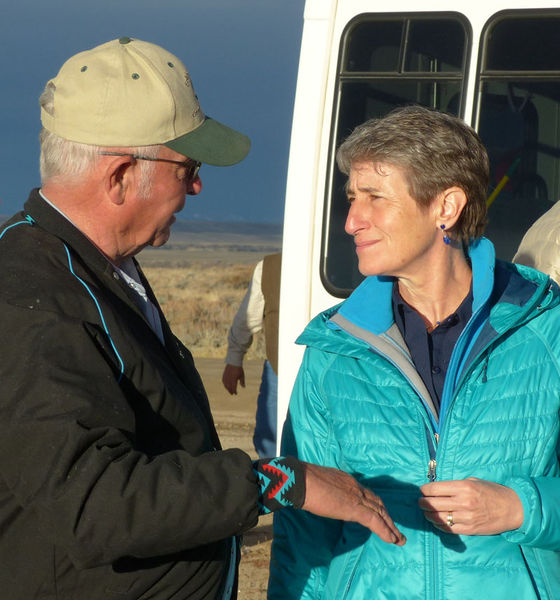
[[200, 277]]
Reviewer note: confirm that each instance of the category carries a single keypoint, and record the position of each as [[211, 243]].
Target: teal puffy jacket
[[359, 405]]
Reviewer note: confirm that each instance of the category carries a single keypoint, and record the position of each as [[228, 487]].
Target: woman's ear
[[450, 205]]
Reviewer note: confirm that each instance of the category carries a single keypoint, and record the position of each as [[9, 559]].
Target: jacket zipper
[[432, 464], [432, 477]]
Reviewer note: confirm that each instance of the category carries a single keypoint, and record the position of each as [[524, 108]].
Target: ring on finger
[[450, 520]]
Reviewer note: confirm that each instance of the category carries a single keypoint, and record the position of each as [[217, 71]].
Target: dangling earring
[[446, 238]]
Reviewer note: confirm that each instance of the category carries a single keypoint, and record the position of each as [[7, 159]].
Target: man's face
[[154, 213], [392, 233]]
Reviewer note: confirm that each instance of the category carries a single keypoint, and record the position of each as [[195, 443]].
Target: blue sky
[[242, 56]]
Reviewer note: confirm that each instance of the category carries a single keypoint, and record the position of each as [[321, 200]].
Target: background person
[[540, 246], [259, 309], [435, 383], [113, 482]]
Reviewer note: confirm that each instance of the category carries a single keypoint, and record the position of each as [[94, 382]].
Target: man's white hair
[[71, 161]]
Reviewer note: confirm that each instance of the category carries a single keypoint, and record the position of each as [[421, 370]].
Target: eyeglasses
[[189, 168]]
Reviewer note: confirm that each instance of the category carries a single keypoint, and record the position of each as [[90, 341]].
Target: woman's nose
[[354, 220]]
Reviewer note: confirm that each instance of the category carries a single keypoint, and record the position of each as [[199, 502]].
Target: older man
[[113, 483]]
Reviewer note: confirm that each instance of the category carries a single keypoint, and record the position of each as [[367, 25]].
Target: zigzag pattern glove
[[281, 482]]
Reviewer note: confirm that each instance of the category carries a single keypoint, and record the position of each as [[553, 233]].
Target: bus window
[[385, 62], [519, 121]]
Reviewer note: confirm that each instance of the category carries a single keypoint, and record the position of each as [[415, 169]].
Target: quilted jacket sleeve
[[541, 508], [303, 543]]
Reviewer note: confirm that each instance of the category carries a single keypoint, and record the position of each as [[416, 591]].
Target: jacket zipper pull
[[432, 470], [433, 463]]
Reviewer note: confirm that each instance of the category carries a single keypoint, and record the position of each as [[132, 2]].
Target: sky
[[242, 56]]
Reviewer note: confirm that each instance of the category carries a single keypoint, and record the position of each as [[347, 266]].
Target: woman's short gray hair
[[62, 158], [435, 150]]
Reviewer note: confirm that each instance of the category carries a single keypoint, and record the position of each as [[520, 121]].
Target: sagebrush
[[200, 301]]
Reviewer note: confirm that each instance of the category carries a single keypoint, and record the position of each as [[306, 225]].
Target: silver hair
[[435, 150], [62, 158]]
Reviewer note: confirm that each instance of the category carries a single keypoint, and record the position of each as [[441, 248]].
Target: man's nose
[[194, 187]]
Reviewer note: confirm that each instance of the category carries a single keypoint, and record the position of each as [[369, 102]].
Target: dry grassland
[[200, 279], [200, 301]]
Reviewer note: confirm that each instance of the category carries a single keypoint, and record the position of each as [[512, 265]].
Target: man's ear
[[450, 205], [117, 178]]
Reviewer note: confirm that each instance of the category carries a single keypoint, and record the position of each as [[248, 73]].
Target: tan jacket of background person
[[540, 246], [270, 286]]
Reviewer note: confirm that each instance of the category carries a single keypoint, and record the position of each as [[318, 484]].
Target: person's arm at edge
[[247, 322]]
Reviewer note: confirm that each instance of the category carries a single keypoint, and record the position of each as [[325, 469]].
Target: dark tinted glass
[[520, 128], [375, 46], [429, 46], [435, 46], [524, 44], [519, 124]]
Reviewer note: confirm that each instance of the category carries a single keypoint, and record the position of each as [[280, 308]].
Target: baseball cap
[[128, 92]]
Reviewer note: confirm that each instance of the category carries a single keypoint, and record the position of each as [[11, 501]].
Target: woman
[[436, 384]]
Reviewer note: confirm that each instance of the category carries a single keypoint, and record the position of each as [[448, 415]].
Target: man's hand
[[231, 376], [335, 494], [471, 506]]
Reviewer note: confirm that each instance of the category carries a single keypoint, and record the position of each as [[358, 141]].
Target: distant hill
[[238, 227], [213, 241]]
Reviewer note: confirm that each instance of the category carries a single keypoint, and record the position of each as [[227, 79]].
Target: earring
[[446, 238]]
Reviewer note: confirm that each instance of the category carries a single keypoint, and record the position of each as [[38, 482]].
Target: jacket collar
[[91, 258], [49, 219], [370, 308]]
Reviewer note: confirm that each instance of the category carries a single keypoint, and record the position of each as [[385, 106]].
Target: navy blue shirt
[[430, 351]]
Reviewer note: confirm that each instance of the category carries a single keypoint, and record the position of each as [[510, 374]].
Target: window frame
[[484, 76], [343, 76]]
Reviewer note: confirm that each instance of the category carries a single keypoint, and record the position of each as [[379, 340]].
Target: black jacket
[[112, 481]]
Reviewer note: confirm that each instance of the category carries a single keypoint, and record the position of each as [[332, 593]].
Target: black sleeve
[[70, 454]]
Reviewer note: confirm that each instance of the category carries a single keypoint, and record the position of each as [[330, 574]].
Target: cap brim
[[212, 143]]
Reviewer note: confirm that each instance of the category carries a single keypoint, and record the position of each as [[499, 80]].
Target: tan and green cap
[[133, 93]]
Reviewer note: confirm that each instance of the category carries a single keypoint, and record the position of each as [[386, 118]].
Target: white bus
[[496, 64]]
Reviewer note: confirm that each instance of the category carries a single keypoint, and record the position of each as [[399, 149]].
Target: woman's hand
[[471, 506]]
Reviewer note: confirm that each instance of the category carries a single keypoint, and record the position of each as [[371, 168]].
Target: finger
[[386, 530], [442, 488], [437, 503], [449, 521], [377, 520], [454, 487], [380, 521]]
